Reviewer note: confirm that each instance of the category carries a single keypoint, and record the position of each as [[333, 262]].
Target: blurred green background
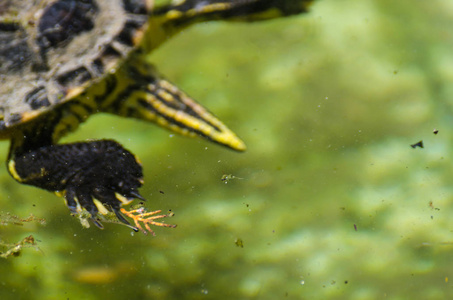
[[330, 200]]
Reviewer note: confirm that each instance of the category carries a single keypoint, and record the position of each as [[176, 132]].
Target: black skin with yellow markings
[[247, 10], [112, 76], [85, 171]]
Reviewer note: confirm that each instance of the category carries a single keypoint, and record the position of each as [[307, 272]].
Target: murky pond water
[[330, 201]]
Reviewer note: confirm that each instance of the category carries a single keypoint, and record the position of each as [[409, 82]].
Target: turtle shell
[[51, 51]]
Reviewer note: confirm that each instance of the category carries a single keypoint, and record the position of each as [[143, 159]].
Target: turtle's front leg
[[98, 176]]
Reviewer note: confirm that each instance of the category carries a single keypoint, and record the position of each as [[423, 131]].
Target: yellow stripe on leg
[[167, 108], [13, 172]]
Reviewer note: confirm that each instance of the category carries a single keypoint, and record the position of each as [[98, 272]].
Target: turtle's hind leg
[[170, 19], [238, 10], [151, 98]]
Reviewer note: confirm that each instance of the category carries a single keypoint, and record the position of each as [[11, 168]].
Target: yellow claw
[[122, 199]]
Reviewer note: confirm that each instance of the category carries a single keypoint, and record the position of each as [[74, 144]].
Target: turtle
[[62, 61]]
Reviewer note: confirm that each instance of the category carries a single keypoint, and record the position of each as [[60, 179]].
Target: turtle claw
[[97, 204], [135, 194], [97, 223], [105, 205]]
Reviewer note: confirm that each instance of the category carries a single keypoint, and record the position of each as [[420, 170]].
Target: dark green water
[[332, 202]]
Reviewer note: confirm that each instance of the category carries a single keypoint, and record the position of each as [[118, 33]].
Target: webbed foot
[[96, 176]]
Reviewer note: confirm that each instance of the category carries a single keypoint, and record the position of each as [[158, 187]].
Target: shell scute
[[53, 50]]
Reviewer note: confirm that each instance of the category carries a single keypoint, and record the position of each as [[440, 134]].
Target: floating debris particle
[[431, 204], [419, 144], [435, 131], [355, 227], [148, 218], [7, 218], [227, 177], [16, 249], [204, 291], [239, 242]]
